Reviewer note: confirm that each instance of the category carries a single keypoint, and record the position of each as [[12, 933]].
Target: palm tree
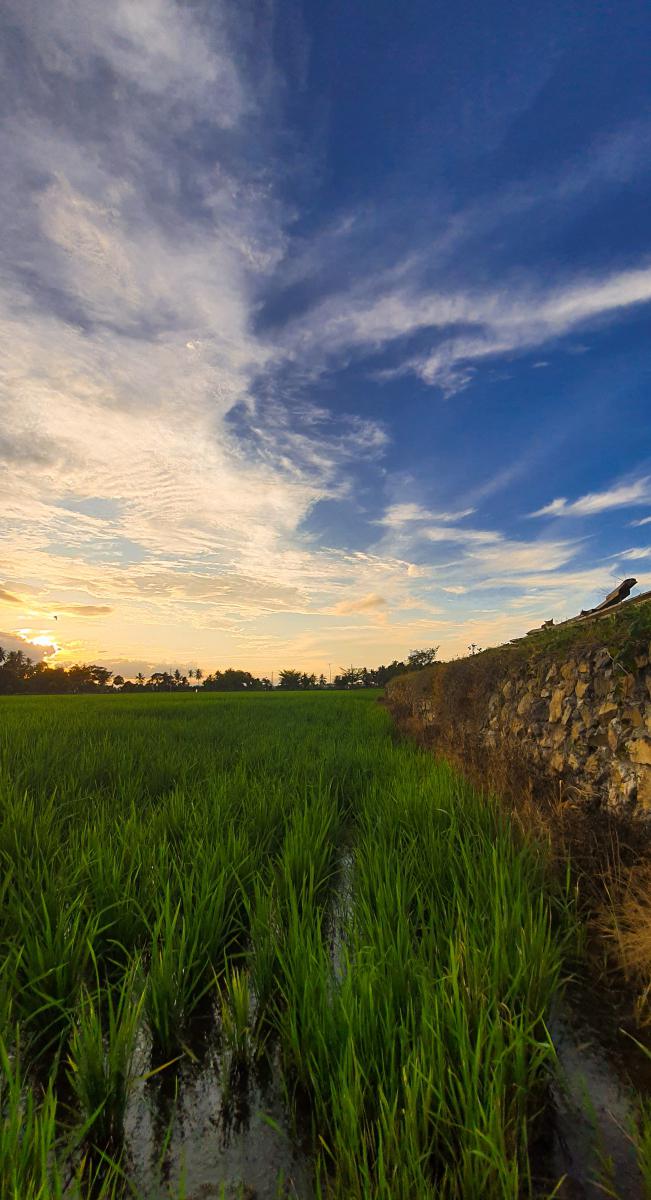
[[198, 674], [190, 674], [140, 679]]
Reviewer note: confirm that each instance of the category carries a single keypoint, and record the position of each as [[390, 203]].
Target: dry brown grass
[[624, 923]]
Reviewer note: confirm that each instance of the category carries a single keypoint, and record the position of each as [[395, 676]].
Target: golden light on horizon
[[45, 640]]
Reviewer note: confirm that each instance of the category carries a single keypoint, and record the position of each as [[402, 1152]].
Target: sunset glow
[[288, 383]]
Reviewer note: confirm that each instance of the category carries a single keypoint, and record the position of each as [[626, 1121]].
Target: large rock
[[639, 750]]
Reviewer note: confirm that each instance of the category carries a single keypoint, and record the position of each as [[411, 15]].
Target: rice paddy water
[[253, 946]]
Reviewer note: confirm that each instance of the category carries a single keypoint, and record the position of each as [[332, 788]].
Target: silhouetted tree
[[232, 680], [161, 681], [19, 674], [290, 680], [350, 677], [417, 659]]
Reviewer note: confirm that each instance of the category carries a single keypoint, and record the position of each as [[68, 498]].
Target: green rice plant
[[212, 889], [236, 1002], [174, 972], [641, 1137], [6, 1000], [309, 1024], [101, 1054], [306, 863], [29, 828], [29, 1136], [192, 936], [264, 817], [112, 859], [422, 1059], [207, 832], [97, 1176], [51, 962], [263, 956]]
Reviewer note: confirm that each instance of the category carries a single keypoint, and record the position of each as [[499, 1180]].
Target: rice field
[[252, 946]]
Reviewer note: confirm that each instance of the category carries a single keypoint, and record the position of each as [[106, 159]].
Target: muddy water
[[217, 1138], [202, 1130], [593, 1105]]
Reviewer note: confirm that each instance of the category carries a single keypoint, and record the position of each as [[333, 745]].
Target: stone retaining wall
[[585, 721]]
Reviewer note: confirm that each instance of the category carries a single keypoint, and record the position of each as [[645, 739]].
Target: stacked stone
[[587, 719]]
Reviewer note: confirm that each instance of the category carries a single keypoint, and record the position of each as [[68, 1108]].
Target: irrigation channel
[[257, 947]]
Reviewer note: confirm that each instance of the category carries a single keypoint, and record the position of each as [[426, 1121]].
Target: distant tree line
[[19, 674]]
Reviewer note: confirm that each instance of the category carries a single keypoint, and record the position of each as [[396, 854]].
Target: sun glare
[[45, 640]]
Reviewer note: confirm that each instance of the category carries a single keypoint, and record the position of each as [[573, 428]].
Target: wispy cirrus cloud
[[635, 552], [137, 236], [398, 515], [469, 326], [624, 495], [370, 603], [86, 610]]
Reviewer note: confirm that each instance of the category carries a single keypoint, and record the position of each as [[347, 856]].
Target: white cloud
[[19, 640], [642, 521], [512, 318], [449, 533], [634, 552], [156, 45], [620, 496], [8, 597], [128, 314], [370, 603], [512, 558], [397, 515], [512, 323]]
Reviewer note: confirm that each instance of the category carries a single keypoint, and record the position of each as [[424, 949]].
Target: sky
[[325, 327]]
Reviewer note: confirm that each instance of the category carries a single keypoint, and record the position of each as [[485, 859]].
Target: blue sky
[[326, 325]]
